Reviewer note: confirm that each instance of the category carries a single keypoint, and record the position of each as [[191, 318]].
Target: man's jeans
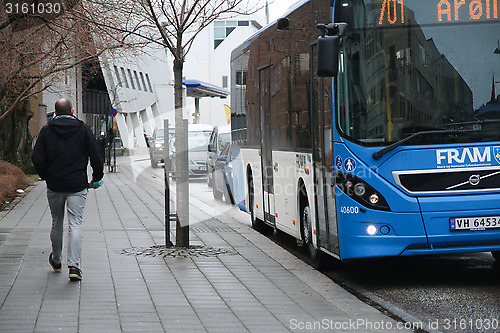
[[75, 204]]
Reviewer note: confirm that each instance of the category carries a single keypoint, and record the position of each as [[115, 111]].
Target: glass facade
[[413, 65]]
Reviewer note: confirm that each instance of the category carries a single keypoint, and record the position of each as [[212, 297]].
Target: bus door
[[324, 180], [266, 151]]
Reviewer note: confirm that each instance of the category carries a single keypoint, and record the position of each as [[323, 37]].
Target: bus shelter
[[198, 89]]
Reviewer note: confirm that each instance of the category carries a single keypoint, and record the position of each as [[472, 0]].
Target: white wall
[[204, 63]]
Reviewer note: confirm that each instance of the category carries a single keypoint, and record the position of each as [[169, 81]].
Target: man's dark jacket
[[61, 154]]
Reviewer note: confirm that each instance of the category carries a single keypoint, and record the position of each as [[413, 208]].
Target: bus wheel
[[496, 255], [306, 225], [256, 223]]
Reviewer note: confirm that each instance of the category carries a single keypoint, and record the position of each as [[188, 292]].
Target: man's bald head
[[63, 106]]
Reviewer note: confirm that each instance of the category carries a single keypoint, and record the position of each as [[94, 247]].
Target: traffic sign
[[113, 113]]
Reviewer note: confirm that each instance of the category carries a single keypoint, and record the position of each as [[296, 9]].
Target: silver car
[[220, 136], [198, 139]]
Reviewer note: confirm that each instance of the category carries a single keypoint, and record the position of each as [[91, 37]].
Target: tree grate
[[178, 252], [207, 229]]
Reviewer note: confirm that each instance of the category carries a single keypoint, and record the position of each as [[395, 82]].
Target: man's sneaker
[[56, 266], [75, 274]]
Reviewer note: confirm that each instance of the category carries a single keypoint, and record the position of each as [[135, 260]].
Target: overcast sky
[[279, 7]]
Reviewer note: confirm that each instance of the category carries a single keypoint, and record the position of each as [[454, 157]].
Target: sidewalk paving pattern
[[240, 281]]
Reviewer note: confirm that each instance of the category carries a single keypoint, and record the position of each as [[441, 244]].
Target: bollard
[[166, 173]]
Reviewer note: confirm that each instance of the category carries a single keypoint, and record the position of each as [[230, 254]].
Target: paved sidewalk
[[233, 280]]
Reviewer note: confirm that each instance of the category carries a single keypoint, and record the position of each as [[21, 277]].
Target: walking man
[[60, 157]]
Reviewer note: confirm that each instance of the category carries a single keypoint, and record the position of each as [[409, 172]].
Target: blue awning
[[199, 89]]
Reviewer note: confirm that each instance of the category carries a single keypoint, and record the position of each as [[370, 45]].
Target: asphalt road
[[451, 293]]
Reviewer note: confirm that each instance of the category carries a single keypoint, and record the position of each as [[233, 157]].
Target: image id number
[[32, 8], [471, 324]]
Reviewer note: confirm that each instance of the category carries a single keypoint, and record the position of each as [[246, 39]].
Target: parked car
[[223, 175], [156, 147], [219, 137], [198, 138]]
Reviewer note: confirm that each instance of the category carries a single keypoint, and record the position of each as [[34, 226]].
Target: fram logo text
[[463, 156]]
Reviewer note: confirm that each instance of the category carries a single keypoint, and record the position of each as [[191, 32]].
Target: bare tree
[[178, 23], [36, 49]]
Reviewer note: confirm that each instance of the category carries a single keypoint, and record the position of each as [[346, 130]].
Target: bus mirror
[[347, 13], [328, 56], [283, 24]]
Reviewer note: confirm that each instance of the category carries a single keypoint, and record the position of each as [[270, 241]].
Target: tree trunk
[[181, 158], [15, 139]]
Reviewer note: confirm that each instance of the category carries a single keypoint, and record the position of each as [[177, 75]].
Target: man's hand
[[95, 185]]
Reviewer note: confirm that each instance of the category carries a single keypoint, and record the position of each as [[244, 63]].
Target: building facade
[[141, 88]]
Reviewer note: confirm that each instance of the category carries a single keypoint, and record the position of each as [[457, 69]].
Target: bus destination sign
[[392, 12]]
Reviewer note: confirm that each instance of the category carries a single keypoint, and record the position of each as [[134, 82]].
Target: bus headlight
[[374, 198], [371, 230], [359, 190]]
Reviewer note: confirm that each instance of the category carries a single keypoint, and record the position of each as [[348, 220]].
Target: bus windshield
[[419, 65]]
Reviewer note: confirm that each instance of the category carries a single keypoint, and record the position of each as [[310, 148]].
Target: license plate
[[202, 168], [474, 223]]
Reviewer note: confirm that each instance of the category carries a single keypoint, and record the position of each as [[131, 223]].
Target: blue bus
[[361, 129]]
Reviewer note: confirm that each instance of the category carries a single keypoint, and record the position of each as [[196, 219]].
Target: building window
[[256, 25], [149, 83], [224, 81], [230, 26], [222, 29], [143, 82], [243, 23], [118, 78], [137, 80], [217, 42], [124, 76], [131, 79], [241, 78]]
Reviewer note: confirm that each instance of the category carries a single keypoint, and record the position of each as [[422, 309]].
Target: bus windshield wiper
[[377, 155], [474, 122]]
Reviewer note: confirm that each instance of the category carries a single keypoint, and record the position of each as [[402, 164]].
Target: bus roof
[[238, 49]]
